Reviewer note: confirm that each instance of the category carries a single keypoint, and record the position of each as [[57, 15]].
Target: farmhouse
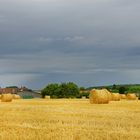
[[23, 92], [12, 90]]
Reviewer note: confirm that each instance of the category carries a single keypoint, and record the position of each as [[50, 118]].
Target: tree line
[[63, 90], [71, 90]]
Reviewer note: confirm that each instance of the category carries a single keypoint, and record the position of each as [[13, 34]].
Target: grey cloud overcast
[[90, 42]]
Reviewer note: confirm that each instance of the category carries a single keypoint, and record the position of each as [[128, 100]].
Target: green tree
[[122, 90], [114, 86], [82, 88], [52, 90], [69, 90], [64, 90]]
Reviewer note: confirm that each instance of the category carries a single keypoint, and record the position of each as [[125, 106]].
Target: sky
[[89, 42]]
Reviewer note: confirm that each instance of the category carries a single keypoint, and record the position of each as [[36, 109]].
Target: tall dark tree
[[51, 90], [122, 90], [114, 86]]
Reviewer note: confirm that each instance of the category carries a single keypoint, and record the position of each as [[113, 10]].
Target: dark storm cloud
[[91, 42]]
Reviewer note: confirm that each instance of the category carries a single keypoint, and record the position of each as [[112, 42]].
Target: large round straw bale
[[15, 96], [116, 97], [131, 96], [98, 97], [123, 96], [83, 97], [6, 97], [109, 94], [47, 97], [0, 96]]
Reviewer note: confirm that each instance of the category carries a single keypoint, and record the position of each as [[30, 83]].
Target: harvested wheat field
[[69, 119]]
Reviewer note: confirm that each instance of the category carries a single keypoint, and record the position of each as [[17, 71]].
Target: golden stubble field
[[69, 119]]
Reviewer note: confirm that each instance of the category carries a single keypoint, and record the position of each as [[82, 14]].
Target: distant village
[[22, 91]]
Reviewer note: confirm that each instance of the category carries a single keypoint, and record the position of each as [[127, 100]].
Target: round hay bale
[[123, 96], [83, 97], [15, 96], [116, 97], [131, 96], [98, 97], [109, 94], [6, 97], [0, 96], [47, 97]]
